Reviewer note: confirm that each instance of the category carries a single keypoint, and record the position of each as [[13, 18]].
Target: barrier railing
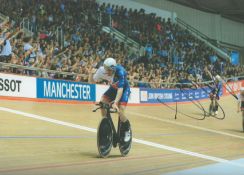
[[3, 17], [172, 85], [9, 65], [122, 37], [60, 36], [27, 26], [203, 38]]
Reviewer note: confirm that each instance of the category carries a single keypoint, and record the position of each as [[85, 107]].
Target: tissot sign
[[19, 86]]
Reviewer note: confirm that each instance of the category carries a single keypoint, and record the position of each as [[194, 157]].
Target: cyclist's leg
[[124, 121], [211, 106], [104, 99], [107, 97], [122, 104], [122, 107], [125, 125], [216, 106], [214, 102]]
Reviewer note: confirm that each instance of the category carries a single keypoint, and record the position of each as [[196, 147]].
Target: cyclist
[[118, 92]]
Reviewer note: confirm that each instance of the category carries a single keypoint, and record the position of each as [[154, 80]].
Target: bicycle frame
[[108, 115], [124, 147]]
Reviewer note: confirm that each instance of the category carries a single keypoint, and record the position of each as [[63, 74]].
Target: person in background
[[240, 104], [214, 95], [6, 53]]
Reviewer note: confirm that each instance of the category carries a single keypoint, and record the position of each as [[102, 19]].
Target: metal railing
[[17, 66], [106, 20], [210, 42], [60, 36], [27, 27], [3, 17], [163, 85], [122, 37]]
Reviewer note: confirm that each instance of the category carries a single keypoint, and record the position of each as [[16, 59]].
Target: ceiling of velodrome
[[231, 9]]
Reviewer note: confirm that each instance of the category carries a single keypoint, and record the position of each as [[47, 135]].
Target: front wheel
[[124, 144], [104, 137]]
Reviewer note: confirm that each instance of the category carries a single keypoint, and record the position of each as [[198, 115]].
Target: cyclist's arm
[[94, 75], [119, 95], [90, 78]]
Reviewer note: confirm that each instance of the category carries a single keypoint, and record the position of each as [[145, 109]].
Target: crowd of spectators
[[168, 55]]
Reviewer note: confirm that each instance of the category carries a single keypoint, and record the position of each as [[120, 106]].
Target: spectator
[[6, 52]]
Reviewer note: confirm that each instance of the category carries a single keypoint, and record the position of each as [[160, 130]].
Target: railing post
[[110, 20], [60, 36], [100, 18]]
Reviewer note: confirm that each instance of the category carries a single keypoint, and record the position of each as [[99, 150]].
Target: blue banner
[[172, 95], [65, 90]]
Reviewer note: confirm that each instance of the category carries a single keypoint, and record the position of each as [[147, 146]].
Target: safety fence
[[43, 88]]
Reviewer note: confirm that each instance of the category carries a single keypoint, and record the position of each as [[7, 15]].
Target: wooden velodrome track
[[31, 144]]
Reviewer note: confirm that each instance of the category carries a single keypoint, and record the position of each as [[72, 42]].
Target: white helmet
[[109, 63], [217, 77]]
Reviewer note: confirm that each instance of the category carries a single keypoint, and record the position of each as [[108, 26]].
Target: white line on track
[[144, 142]]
